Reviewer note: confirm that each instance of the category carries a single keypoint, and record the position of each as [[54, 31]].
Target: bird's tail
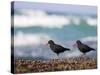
[[67, 49], [93, 49]]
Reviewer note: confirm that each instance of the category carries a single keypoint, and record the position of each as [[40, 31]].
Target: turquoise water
[[71, 32]]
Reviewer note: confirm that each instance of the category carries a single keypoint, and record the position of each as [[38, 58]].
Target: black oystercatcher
[[83, 48], [56, 48]]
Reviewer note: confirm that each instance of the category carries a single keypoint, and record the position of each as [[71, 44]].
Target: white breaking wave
[[76, 20], [91, 21], [21, 39], [41, 18]]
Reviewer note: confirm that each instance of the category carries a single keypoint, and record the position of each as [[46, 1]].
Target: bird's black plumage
[[83, 48], [56, 48]]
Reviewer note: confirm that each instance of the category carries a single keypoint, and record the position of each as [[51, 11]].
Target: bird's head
[[78, 42], [50, 42]]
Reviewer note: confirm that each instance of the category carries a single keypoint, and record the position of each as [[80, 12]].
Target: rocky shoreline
[[29, 66]]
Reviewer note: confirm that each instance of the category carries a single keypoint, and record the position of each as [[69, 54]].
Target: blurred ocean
[[33, 29]]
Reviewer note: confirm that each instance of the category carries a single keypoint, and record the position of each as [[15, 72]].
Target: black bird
[[56, 48], [83, 48]]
